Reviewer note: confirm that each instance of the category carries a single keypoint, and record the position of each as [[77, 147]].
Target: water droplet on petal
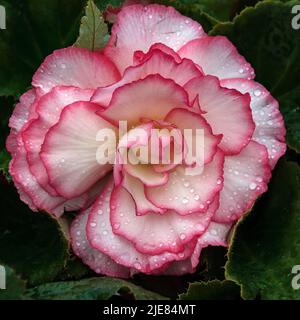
[[116, 226], [257, 92], [252, 186], [182, 236], [213, 232], [137, 265], [185, 200]]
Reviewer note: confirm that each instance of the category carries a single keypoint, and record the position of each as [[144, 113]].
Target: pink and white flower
[[158, 70]]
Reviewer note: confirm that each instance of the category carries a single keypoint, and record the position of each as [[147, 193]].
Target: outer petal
[[96, 260], [138, 27], [190, 193], [150, 98], [217, 56], [32, 193], [152, 233], [24, 111], [215, 235], [246, 176], [49, 109], [227, 111], [76, 67], [270, 129], [154, 62], [102, 237], [70, 150]]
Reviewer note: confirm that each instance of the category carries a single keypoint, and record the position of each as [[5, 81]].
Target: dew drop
[[185, 200], [213, 232], [93, 224], [257, 92], [116, 226], [200, 227], [182, 236], [137, 265], [252, 186]]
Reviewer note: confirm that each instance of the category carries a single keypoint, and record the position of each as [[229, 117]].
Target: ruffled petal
[[187, 193], [152, 233], [96, 260], [32, 193], [149, 98], [137, 190], [154, 62], [246, 176], [138, 27], [215, 235], [24, 111], [269, 130], [76, 67], [49, 109], [102, 236], [217, 56], [199, 128], [227, 111], [70, 150]]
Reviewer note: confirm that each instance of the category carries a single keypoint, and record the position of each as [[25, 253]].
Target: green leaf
[[15, 286], [90, 289], [103, 4], [212, 290], [221, 10], [74, 270], [264, 35], [266, 243], [34, 29], [93, 32], [192, 10], [33, 244], [4, 162], [290, 107]]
